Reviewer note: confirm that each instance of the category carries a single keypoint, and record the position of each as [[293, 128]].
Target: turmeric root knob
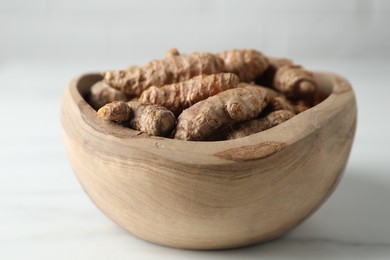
[[267, 78], [208, 116], [301, 105], [151, 119], [102, 94], [172, 69], [117, 111], [172, 52], [277, 117], [258, 125], [278, 101], [247, 64], [179, 96], [295, 82]]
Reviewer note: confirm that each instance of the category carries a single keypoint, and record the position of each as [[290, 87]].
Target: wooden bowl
[[211, 195]]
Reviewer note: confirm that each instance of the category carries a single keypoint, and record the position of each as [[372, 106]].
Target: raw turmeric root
[[179, 96], [295, 82], [117, 111], [151, 119], [258, 125], [277, 117], [280, 62], [102, 94], [172, 69], [281, 103], [208, 116], [204, 91], [278, 101], [172, 52], [301, 105], [247, 64], [318, 97], [267, 78]]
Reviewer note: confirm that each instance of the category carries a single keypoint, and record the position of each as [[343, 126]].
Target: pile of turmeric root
[[205, 96]]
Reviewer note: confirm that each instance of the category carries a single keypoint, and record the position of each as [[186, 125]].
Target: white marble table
[[44, 213]]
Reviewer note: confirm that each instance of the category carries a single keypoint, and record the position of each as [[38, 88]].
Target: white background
[[141, 30], [44, 214]]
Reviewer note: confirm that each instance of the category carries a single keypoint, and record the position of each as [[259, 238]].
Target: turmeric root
[[258, 125], [301, 105], [208, 116], [281, 103], [278, 101], [172, 52], [318, 97], [267, 78], [172, 69], [151, 119], [117, 111], [277, 117], [102, 94], [280, 62], [179, 96], [247, 64], [295, 82], [204, 91]]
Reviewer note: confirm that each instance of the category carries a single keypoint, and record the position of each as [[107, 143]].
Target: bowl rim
[[256, 146]]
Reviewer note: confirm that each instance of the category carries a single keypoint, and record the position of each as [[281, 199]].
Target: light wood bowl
[[211, 195]]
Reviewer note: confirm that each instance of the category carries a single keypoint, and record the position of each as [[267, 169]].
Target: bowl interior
[[252, 147]]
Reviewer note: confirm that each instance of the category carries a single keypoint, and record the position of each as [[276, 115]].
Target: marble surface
[[44, 213]]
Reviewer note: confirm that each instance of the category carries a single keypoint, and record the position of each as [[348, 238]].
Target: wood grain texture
[[211, 195]]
